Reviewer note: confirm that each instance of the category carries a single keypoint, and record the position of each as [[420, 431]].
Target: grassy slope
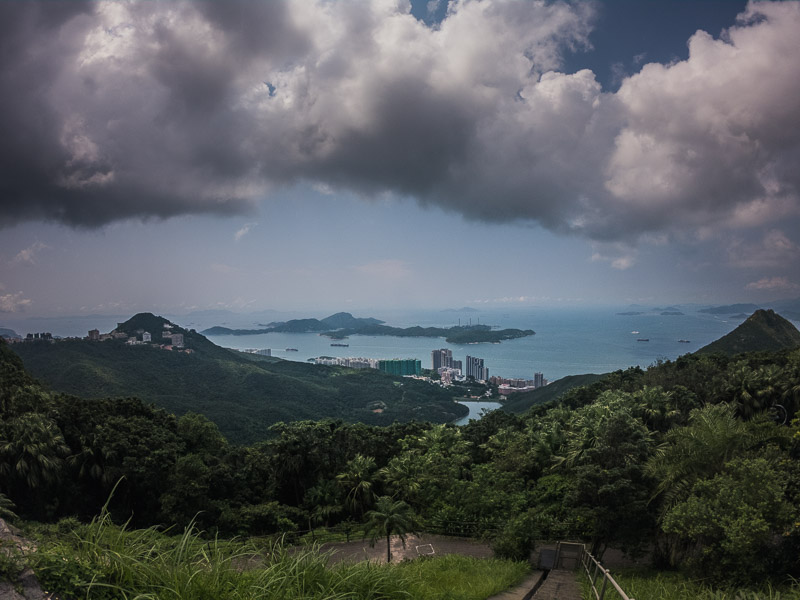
[[101, 560], [243, 396], [521, 402]]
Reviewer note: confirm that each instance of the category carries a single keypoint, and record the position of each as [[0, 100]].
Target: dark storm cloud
[[123, 110]]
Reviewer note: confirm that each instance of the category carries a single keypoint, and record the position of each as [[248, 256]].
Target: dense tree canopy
[[695, 457]]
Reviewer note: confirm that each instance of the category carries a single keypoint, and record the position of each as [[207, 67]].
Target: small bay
[[476, 410]]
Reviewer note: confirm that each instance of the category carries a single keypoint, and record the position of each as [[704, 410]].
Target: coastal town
[[167, 340], [445, 370]]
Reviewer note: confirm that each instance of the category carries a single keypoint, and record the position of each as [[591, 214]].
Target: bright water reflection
[[475, 410]]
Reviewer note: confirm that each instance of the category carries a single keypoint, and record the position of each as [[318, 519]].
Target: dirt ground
[[424, 544]]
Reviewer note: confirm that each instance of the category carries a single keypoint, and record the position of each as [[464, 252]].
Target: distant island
[[463, 309], [630, 313], [458, 334], [342, 325], [730, 308], [671, 313]]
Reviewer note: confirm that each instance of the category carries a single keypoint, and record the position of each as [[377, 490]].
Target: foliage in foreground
[[697, 460], [102, 561], [672, 585]]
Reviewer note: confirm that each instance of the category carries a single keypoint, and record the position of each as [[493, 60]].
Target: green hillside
[[521, 402], [764, 330], [242, 396]]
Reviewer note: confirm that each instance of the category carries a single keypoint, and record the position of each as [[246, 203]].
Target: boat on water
[[291, 350], [341, 345], [634, 332], [642, 339], [684, 341]]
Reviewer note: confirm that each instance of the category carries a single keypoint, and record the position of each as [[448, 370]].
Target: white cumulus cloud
[[156, 109], [773, 284], [12, 303]]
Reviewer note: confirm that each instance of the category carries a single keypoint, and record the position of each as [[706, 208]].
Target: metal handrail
[[588, 561]]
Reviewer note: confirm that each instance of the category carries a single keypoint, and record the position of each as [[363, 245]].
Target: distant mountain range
[[242, 393], [789, 308], [764, 330], [7, 332]]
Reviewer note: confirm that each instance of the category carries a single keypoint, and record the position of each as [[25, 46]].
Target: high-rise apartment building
[[476, 370], [441, 358], [538, 380]]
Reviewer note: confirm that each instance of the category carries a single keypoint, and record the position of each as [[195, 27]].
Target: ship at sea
[[291, 350], [642, 339], [341, 345]]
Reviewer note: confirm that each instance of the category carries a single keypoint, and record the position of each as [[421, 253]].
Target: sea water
[[567, 341]]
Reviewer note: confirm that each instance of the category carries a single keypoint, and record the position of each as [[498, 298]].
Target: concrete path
[[422, 545], [523, 591], [559, 585]]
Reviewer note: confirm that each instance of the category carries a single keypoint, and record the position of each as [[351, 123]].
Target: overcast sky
[[337, 155]]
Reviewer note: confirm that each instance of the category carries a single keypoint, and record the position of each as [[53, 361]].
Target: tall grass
[[667, 585], [101, 561], [455, 577]]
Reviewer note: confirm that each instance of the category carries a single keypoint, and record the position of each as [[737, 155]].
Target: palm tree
[[6, 508], [389, 517], [401, 476], [357, 481], [32, 451], [697, 451]]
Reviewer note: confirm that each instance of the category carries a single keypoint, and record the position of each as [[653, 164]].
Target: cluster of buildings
[[261, 352], [31, 337], [169, 340], [393, 366], [352, 363], [512, 386], [450, 369]]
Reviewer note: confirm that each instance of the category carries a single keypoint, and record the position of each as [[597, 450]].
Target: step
[[559, 585]]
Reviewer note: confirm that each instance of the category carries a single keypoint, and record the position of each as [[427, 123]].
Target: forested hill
[[243, 396], [697, 460], [521, 402], [764, 330]]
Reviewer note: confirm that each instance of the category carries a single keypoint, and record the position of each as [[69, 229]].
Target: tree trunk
[[388, 548]]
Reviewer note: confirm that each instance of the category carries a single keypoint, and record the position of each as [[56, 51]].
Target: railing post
[[603, 587]]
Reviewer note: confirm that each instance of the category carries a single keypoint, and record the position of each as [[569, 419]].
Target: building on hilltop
[[94, 335], [146, 337], [476, 370]]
